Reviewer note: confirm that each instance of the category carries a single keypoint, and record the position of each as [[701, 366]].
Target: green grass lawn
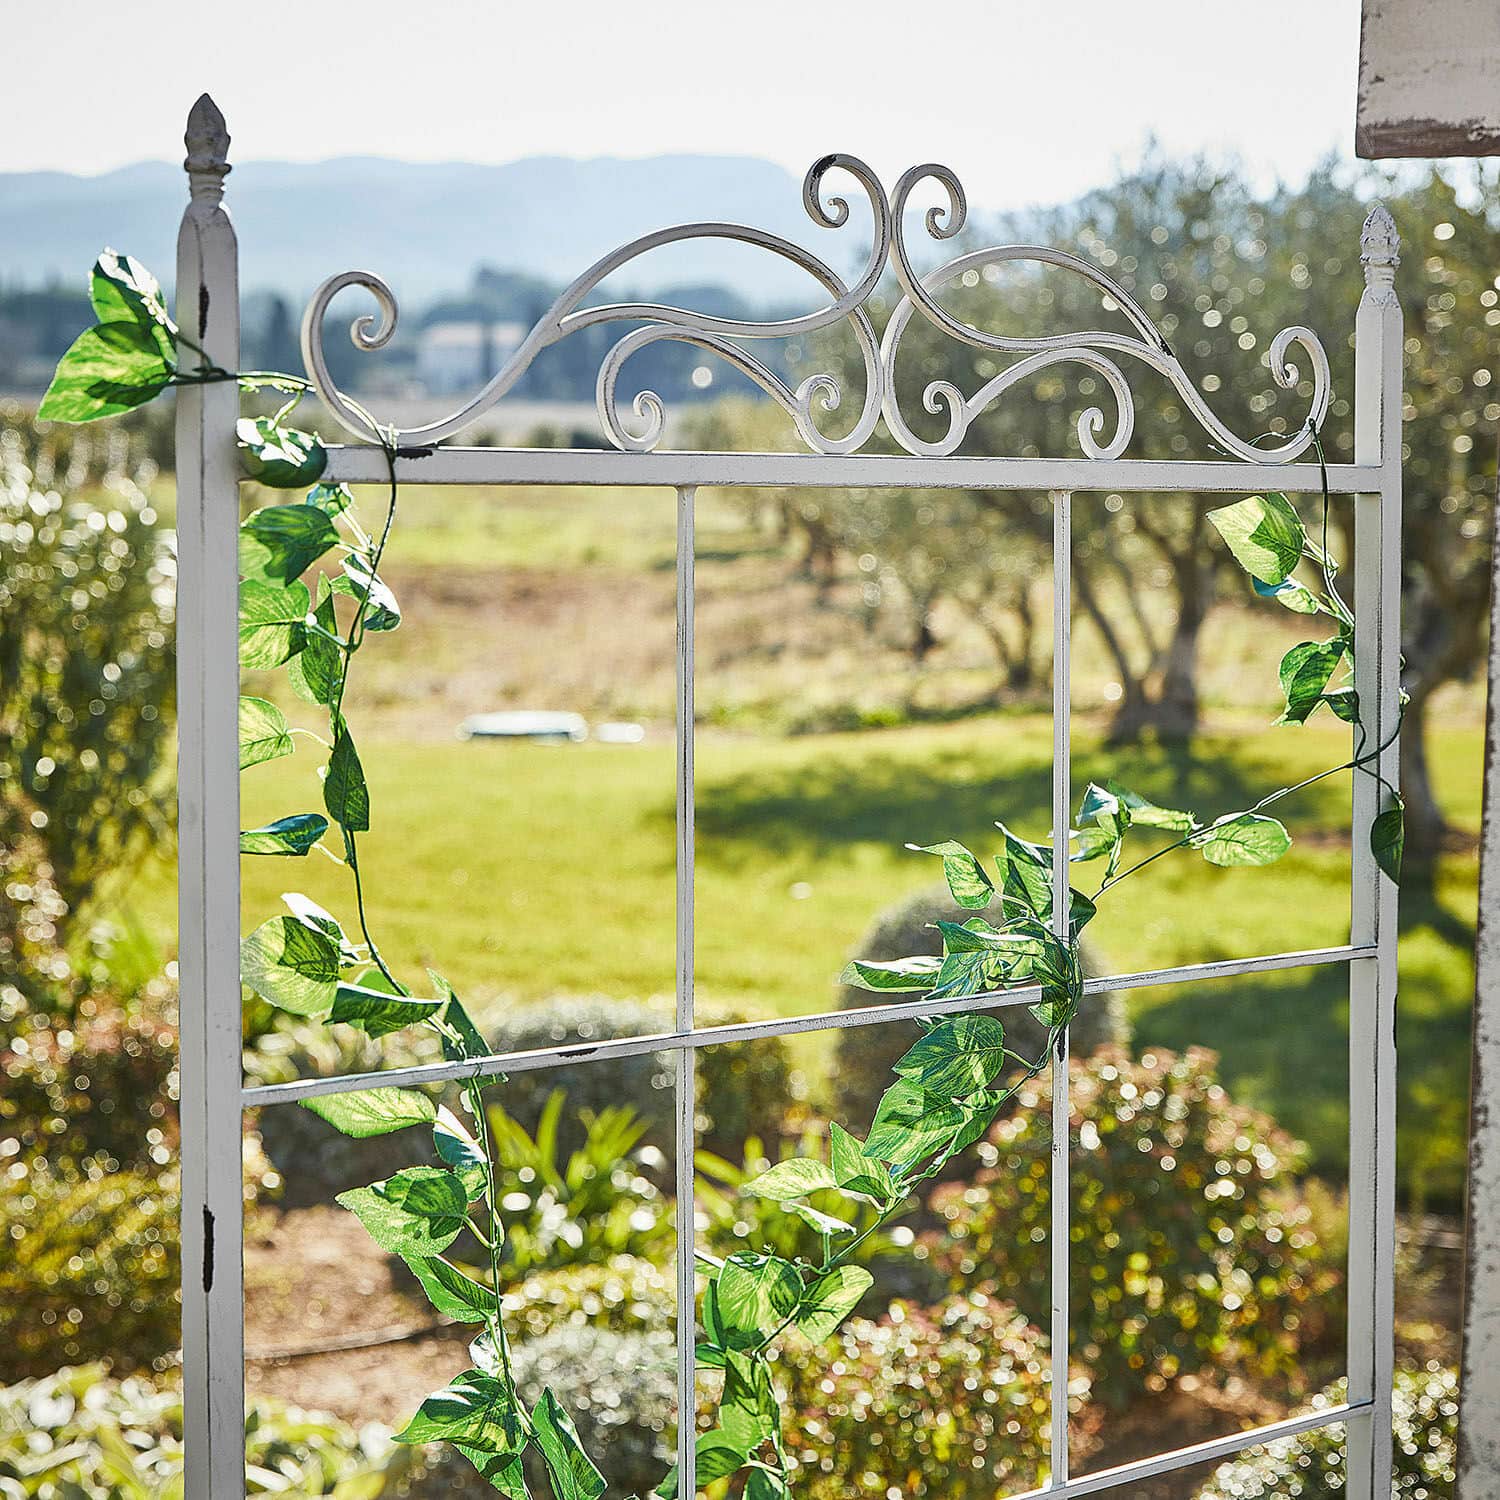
[[526, 871]]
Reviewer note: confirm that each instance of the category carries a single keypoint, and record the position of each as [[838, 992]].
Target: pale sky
[[1028, 100]]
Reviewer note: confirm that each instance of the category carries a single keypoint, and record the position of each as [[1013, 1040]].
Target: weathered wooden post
[[1429, 85], [208, 815]]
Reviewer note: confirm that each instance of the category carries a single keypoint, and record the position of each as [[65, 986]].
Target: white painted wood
[[1062, 797], [1479, 1412], [500, 466], [1372, 985], [261, 1095], [208, 833], [1427, 78], [687, 1136]]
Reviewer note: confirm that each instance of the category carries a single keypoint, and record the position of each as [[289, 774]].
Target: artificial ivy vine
[[950, 1086]]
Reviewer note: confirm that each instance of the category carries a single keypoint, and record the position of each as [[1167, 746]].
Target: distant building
[[458, 357]]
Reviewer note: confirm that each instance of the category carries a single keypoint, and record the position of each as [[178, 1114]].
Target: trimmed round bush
[[744, 1088], [89, 1268], [866, 1054], [624, 1294], [1193, 1252], [947, 1401], [1311, 1466]]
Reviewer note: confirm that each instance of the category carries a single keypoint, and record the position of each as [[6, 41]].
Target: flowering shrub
[[1311, 1466], [947, 1401], [1191, 1257]]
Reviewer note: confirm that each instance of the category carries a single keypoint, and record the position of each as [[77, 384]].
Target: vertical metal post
[[1062, 797], [208, 832], [687, 1374], [1372, 981]]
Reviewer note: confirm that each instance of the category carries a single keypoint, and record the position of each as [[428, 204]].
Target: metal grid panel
[[213, 1097]]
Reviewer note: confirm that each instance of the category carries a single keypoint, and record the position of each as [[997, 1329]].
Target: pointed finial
[[1380, 247], [207, 141]]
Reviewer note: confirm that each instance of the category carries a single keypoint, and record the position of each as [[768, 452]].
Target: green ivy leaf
[[1025, 873], [451, 1293], [755, 1294], [369, 1112], [281, 542], [716, 1455], [1295, 596], [902, 974], [816, 1219], [467, 1044], [1265, 535], [345, 794], [458, 1149], [1344, 702], [310, 914], [856, 1173], [748, 1413], [331, 499], [504, 1472], [122, 290], [359, 583], [291, 965], [475, 1409], [281, 457], [271, 623], [264, 734], [910, 1125], [1388, 839], [570, 1469], [291, 835], [970, 886], [1147, 814], [763, 1484], [1243, 839], [831, 1299], [1304, 674], [419, 1211], [377, 1013], [109, 368], [791, 1179], [956, 1057], [316, 673]]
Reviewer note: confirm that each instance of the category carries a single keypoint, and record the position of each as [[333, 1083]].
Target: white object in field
[[619, 733], [1429, 79], [526, 724]]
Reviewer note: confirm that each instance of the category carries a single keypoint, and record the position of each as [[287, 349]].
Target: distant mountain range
[[425, 227]]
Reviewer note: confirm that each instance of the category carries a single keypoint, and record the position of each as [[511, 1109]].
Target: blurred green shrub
[[950, 1400], [86, 678], [89, 1268], [78, 1435], [1191, 1253], [1311, 1466], [101, 1081], [865, 1055], [625, 1294], [583, 1207], [744, 1088]]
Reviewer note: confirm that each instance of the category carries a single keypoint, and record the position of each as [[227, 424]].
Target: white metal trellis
[[213, 1095]]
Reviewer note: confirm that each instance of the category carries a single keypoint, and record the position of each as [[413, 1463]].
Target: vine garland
[[950, 1085]]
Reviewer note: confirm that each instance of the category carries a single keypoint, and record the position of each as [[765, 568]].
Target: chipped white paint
[[1429, 78]]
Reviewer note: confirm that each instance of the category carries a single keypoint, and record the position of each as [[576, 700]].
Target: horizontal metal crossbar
[[1199, 1453], [750, 1031], [366, 464]]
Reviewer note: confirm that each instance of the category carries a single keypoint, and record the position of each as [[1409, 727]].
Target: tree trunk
[[1426, 828], [1176, 717]]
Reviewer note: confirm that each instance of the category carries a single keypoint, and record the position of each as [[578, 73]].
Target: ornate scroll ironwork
[[1096, 350]]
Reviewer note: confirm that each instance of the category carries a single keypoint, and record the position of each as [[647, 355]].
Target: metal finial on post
[[1379, 247], [207, 142]]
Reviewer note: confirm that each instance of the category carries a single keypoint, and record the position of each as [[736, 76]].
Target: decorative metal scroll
[[1097, 351]]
